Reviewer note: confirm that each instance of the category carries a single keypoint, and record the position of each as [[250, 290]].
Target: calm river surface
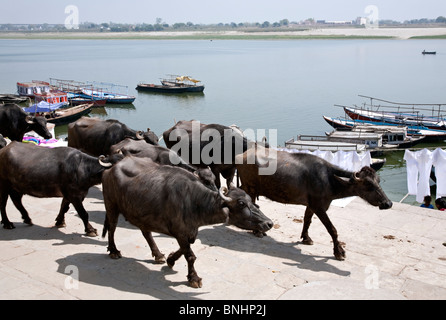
[[283, 85]]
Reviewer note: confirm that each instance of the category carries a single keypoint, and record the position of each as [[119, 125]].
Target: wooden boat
[[79, 100], [41, 91], [429, 52], [378, 137], [60, 116], [109, 97], [149, 87], [323, 143], [12, 98], [424, 133], [173, 84], [401, 118], [29, 89]]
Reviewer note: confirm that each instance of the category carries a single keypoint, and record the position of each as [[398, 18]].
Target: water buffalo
[[163, 156], [43, 172], [212, 145], [311, 181], [95, 136], [172, 201], [14, 123]]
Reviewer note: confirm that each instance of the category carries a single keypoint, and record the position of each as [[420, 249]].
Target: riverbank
[[316, 33]]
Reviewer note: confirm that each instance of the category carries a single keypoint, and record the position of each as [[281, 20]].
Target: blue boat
[[415, 131], [108, 96]]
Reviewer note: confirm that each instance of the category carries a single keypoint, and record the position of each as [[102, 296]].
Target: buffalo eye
[[241, 204]]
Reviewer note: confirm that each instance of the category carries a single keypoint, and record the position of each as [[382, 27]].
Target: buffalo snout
[[386, 205]]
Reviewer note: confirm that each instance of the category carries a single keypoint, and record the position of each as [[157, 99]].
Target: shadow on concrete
[[125, 274], [243, 241]]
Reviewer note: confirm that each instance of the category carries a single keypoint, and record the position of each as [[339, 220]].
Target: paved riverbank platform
[[391, 254]]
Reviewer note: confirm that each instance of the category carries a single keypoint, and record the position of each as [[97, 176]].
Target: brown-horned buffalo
[[95, 136], [310, 181], [172, 201], [44, 172], [14, 123]]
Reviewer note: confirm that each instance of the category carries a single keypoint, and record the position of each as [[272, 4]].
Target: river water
[[282, 85]]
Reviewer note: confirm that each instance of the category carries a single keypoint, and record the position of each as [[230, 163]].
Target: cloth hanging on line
[[440, 171], [419, 167], [347, 160]]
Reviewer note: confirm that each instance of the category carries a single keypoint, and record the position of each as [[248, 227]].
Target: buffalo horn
[[104, 164], [223, 191]]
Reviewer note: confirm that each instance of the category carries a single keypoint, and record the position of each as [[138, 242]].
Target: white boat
[[323, 143]]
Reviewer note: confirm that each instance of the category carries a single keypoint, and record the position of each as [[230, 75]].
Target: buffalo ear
[[343, 180], [29, 119]]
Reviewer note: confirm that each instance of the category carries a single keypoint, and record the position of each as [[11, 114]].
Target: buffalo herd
[[173, 190]]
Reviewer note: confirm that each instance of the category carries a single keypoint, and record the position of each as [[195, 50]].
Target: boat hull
[[430, 135], [69, 115], [169, 89]]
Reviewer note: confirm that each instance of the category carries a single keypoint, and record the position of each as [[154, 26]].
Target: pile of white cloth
[[419, 166], [347, 160]]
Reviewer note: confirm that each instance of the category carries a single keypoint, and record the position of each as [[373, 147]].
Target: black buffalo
[[43, 173], [163, 156], [311, 181], [172, 201], [14, 123], [226, 141], [95, 136]]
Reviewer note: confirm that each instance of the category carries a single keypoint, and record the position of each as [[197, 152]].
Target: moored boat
[[415, 131], [173, 84], [54, 113], [109, 97], [149, 87], [12, 98]]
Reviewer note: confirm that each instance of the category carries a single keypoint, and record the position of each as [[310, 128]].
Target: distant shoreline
[[315, 33]]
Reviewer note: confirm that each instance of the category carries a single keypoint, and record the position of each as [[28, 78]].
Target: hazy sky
[[213, 11]]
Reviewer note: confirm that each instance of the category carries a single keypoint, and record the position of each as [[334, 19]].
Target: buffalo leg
[[17, 200], [338, 250], [60, 220], [111, 222], [159, 257], [307, 221], [91, 232], [5, 221], [192, 276]]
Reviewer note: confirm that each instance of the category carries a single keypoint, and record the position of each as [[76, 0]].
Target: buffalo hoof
[[339, 253], [60, 224], [196, 282], [307, 241], [8, 225], [170, 261], [92, 233], [115, 255], [160, 260]]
